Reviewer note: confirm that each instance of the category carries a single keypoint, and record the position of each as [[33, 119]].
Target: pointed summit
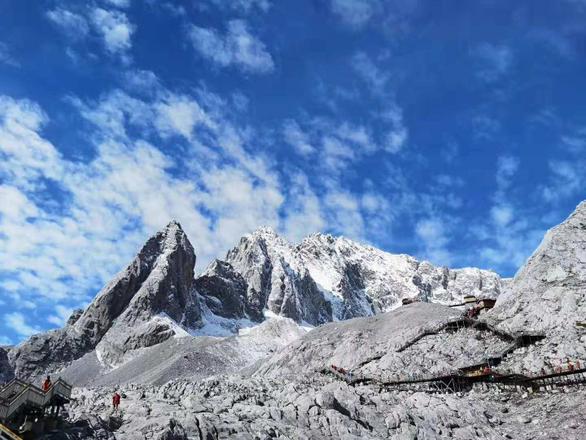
[[123, 316]]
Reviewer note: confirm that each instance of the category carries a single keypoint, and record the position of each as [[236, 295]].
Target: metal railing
[[17, 394]]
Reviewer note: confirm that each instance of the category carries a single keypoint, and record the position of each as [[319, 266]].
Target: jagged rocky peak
[[123, 316], [276, 281], [165, 298], [326, 278], [549, 291], [159, 279]]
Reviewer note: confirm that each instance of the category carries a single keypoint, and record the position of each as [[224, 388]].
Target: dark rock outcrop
[[6, 370], [224, 291]]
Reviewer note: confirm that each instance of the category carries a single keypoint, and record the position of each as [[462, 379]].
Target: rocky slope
[[317, 407], [187, 357], [549, 293], [6, 372], [548, 296], [375, 346]]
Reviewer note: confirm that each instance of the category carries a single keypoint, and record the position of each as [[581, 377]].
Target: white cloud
[[374, 77], [6, 57], [295, 137], [507, 167], [304, 214], [142, 81], [397, 133], [180, 115], [346, 215], [114, 28], [507, 237], [74, 25], [336, 154], [567, 178], [17, 322], [433, 234], [119, 3], [24, 155], [237, 47], [355, 13], [496, 60]]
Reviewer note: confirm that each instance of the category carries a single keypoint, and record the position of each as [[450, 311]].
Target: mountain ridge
[[321, 279]]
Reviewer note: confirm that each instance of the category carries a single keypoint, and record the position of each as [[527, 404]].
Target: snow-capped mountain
[[149, 327], [326, 278], [322, 279]]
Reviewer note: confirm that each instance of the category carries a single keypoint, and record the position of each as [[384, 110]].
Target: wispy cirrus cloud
[[115, 29], [18, 323], [6, 56], [119, 3], [110, 26], [73, 24], [237, 47], [355, 13], [495, 60]]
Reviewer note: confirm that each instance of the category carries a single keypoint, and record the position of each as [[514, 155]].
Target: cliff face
[[158, 281], [549, 292]]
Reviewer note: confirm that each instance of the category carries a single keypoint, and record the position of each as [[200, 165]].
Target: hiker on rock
[[116, 401], [47, 384]]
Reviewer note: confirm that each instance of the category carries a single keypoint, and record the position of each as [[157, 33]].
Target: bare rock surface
[[355, 342], [317, 407], [548, 296], [158, 281]]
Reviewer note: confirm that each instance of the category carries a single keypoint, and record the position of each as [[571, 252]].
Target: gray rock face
[[549, 292], [354, 343], [187, 357], [6, 370], [75, 316], [326, 278], [548, 296], [275, 281], [224, 291], [167, 292], [158, 281]]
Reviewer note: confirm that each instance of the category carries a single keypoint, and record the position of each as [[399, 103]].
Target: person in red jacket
[[116, 401], [47, 384]]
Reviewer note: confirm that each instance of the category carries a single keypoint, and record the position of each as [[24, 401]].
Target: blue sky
[[452, 131]]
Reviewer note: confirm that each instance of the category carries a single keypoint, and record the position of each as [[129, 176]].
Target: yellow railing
[[7, 433]]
